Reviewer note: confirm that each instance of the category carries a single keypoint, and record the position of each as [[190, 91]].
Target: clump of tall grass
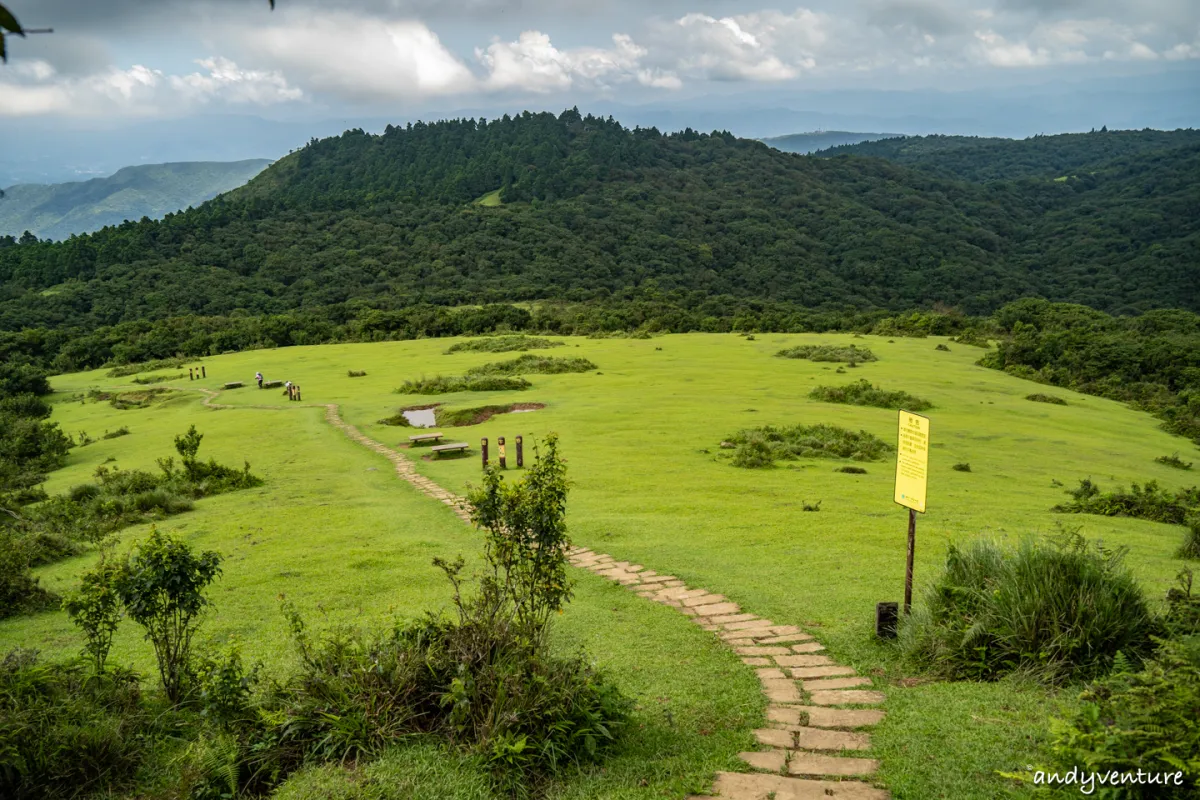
[[122, 370], [1173, 460], [149, 379], [446, 384], [1057, 609], [863, 393], [533, 365], [1147, 501], [1054, 400], [356, 373], [829, 352], [762, 447], [503, 344]]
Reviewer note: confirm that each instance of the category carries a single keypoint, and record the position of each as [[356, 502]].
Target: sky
[[114, 63]]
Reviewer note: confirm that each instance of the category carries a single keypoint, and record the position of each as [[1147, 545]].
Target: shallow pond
[[421, 418]]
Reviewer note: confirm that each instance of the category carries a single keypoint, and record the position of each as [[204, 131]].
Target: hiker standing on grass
[[287, 388], [258, 377]]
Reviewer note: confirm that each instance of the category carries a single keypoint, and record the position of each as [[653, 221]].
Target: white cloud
[[139, 90], [533, 63]]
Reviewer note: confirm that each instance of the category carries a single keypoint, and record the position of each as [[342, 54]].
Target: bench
[[272, 384], [460, 447], [234, 385], [424, 437]]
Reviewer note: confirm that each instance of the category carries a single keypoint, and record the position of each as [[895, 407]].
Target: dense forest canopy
[[585, 211]]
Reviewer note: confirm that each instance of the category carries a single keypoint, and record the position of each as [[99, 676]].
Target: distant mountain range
[[821, 140], [57, 210]]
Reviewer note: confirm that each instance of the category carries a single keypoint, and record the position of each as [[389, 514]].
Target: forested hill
[[579, 208], [55, 211], [974, 158]]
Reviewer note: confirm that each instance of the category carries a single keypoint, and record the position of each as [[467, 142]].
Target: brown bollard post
[[203, 372], [520, 454], [500, 450], [297, 394], [483, 449], [191, 377]]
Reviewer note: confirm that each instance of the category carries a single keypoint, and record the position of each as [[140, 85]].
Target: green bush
[[862, 393], [397, 420], [961, 467], [761, 447], [1174, 460], [1191, 539], [20, 592], [533, 365], [1148, 501], [1059, 610], [96, 608], [151, 379], [1143, 720], [123, 370], [503, 344], [356, 373], [852, 470], [829, 352], [121, 431], [943, 348], [67, 733], [443, 384], [1046, 398]]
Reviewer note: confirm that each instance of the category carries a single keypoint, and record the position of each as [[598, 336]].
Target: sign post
[[912, 469]]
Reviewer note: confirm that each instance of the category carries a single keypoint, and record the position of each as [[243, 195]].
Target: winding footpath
[[818, 714]]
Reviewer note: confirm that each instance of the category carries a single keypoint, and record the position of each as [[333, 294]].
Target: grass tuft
[[1054, 400], [863, 393], [829, 352]]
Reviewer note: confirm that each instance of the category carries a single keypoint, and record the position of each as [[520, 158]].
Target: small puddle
[[421, 418]]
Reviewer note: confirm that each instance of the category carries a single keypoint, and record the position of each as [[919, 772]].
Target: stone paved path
[[816, 743]]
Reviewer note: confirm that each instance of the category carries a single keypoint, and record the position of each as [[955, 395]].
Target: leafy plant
[[121, 431], [961, 467], [862, 393], [1147, 501], [96, 608], [162, 588], [942, 347]]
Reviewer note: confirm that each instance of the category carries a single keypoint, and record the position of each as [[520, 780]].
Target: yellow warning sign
[[912, 461]]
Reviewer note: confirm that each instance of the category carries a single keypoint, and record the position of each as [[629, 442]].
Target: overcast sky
[[140, 59]]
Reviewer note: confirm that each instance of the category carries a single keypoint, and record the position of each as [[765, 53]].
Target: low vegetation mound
[[1057, 609], [461, 417], [762, 447], [503, 344], [533, 365], [1173, 460], [1054, 400], [863, 393], [151, 379], [1147, 501], [829, 352], [447, 384], [141, 398]]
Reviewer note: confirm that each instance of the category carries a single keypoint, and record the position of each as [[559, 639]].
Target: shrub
[[443, 384], [962, 467], [862, 393], [761, 447], [1148, 501], [503, 344], [1174, 460], [356, 373], [943, 348], [143, 398], [1046, 398], [162, 588], [96, 608], [397, 420], [852, 470], [19, 589], [121, 431], [829, 352], [64, 732], [1191, 539], [973, 338], [531, 365], [1059, 610], [806, 506], [149, 366], [151, 379]]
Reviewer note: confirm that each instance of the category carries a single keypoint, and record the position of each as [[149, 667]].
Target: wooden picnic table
[[438, 449], [425, 437]]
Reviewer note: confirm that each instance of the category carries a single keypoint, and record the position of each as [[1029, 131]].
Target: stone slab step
[[742, 786], [813, 764], [820, 672], [823, 684], [825, 739], [846, 697]]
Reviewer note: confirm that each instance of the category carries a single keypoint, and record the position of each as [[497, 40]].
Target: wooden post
[[500, 449], [520, 454], [191, 377], [912, 547], [203, 372], [483, 449], [297, 394]]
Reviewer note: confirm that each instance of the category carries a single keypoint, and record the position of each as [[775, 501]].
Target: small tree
[[96, 607], [162, 586], [527, 536], [188, 445]]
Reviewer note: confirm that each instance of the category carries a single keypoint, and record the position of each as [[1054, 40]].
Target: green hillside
[[975, 158], [55, 211], [821, 140], [590, 210]]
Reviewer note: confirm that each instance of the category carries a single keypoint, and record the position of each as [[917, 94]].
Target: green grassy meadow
[[336, 531]]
